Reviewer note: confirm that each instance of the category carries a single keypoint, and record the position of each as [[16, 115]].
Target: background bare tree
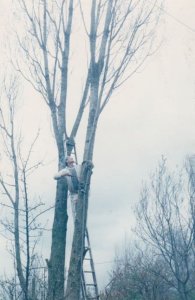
[[165, 221], [138, 273], [119, 37], [8, 289], [22, 222], [161, 264]]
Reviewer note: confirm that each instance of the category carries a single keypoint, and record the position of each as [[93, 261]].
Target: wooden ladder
[[89, 288]]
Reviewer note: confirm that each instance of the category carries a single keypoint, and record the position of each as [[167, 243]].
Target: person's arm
[[61, 173]]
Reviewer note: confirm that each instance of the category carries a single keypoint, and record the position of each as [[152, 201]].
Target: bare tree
[[118, 34], [47, 49], [14, 188], [165, 221], [138, 274], [8, 289], [37, 289], [119, 37]]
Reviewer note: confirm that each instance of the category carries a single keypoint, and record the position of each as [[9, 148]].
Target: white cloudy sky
[[152, 115]]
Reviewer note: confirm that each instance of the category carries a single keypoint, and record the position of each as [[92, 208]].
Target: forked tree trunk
[[102, 77]]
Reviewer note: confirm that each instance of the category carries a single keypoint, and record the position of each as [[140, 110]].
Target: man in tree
[[72, 174]]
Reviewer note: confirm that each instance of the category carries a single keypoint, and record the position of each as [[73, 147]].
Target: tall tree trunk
[[74, 275], [16, 217], [76, 259], [27, 233], [17, 251], [56, 263], [57, 258]]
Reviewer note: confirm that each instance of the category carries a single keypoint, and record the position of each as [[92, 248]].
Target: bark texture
[[57, 258], [75, 268]]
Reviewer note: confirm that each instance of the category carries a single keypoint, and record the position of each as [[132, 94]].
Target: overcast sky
[[153, 114]]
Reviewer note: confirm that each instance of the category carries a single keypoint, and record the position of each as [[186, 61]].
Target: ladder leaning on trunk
[[89, 286]]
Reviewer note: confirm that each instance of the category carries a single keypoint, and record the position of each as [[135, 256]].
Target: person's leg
[[74, 201]]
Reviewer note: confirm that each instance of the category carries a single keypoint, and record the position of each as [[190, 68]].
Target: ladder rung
[[88, 271], [87, 259], [91, 284]]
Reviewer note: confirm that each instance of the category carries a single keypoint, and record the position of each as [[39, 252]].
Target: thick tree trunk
[[17, 251], [16, 219], [57, 258], [76, 260], [74, 276]]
